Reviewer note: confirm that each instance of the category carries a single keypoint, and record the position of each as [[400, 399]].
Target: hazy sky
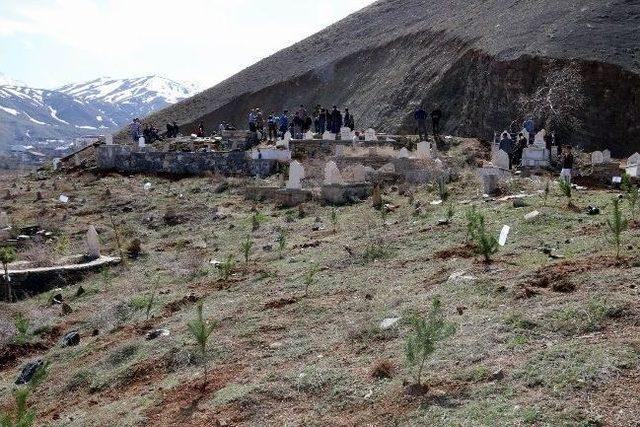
[[47, 43]]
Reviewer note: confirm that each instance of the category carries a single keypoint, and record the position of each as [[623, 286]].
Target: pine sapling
[[450, 212], [310, 278], [246, 248], [226, 268], [334, 219], [565, 189], [443, 192], [201, 330], [427, 332], [7, 256], [486, 243], [282, 243], [632, 196], [547, 190], [617, 224], [21, 324]]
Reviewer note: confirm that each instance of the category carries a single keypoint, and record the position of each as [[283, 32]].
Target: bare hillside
[[572, 64]]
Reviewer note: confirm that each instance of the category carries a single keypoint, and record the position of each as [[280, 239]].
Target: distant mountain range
[[28, 115]]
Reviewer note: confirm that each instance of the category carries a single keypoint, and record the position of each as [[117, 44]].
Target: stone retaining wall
[[131, 159]]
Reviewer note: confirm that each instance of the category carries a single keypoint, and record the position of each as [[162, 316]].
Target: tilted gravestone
[[500, 160], [332, 174], [93, 243]]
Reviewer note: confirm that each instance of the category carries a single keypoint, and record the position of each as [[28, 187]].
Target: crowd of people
[[148, 131], [273, 126], [519, 137]]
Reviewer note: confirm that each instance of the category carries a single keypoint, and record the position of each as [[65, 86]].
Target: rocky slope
[[28, 114], [573, 65]]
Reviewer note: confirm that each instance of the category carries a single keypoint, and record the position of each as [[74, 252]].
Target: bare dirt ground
[[540, 341]]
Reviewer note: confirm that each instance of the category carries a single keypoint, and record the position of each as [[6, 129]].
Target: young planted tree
[[201, 330], [426, 334], [334, 219], [485, 242], [632, 195], [617, 224], [546, 190], [7, 256], [310, 278], [443, 192], [23, 416], [226, 267], [450, 212], [282, 243], [565, 189], [246, 248], [21, 324]]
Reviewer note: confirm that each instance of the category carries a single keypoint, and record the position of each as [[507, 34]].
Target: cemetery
[[311, 256]]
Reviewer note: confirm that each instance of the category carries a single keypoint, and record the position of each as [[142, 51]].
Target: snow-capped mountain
[[91, 108], [146, 93]]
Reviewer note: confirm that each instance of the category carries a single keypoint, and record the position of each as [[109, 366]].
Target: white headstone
[[633, 171], [606, 156], [56, 163], [308, 136], [424, 150], [328, 136], [108, 139], [634, 159], [539, 140], [525, 133], [500, 160], [147, 186], [93, 243], [287, 136], [370, 135], [503, 235], [332, 174], [403, 153], [359, 173], [63, 198], [388, 168], [141, 142], [339, 150], [345, 134], [597, 158], [4, 220], [532, 215], [296, 175]]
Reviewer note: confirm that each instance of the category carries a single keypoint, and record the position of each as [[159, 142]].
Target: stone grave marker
[[56, 163], [339, 150], [504, 234], [141, 142], [93, 243], [4, 220], [606, 156], [332, 174], [308, 136], [500, 160], [345, 134], [403, 153], [424, 150], [328, 136], [633, 160], [108, 139], [370, 135], [359, 174], [597, 158], [296, 175], [539, 139]]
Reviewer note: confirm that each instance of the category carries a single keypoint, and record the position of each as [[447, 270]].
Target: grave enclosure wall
[[129, 159]]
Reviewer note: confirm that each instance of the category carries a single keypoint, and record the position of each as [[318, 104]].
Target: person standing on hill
[[252, 121], [348, 119], [567, 164], [284, 122], [530, 127], [336, 120], [322, 121], [506, 145], [260, 124], [420, 115], [272, 127], [200, 131], [436, 115], [135, 130]]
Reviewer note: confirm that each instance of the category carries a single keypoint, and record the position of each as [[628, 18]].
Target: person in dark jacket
[[506, 145], [436, 115], [322, 121], [135, 130], [521, 144], [420, 115], [200, 130], [284, 122], [336, 120], [348, 119], [567, 164], [298, 124], [272, 128]]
